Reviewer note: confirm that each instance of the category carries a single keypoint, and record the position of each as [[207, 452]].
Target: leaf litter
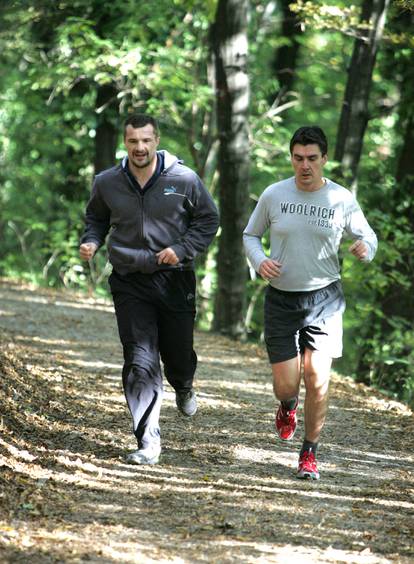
[[225, 489]]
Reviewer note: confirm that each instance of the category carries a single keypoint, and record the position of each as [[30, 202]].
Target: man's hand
[[270, 268], [167, 256], [359, 249], [87, 250]]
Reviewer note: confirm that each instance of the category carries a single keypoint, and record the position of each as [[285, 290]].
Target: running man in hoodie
[[307, 216], [159, 216]]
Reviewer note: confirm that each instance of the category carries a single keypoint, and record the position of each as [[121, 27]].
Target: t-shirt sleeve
[[357, 227], [252, 236]]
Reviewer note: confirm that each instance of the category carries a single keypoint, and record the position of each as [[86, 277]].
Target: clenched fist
[[167, 256], [269, 269], [359, 249], [87, 250]]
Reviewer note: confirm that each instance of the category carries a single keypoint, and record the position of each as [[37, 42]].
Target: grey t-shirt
[[306, 229]]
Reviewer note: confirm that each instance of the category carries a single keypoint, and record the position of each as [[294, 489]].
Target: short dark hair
[[310, 135], [141, 120]]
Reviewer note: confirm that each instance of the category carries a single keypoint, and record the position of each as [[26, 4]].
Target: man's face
[[141, 144], [308, 163]]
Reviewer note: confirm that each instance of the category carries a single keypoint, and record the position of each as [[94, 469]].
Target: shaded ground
[[225, 490]]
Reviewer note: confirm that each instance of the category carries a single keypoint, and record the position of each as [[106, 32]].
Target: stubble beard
[[141, 164]]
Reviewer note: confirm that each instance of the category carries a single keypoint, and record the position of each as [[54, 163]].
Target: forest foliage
[[72, 71]]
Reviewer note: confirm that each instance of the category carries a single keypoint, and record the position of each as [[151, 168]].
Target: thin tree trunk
[[405, 167], [354, 116], [106, 138], [230, 49], [398, 301], [285, 58]]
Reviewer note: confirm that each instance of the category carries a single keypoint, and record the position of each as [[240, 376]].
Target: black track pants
[[155, 315]]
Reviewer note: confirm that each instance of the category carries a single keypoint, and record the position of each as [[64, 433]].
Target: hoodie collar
[[158, 171]]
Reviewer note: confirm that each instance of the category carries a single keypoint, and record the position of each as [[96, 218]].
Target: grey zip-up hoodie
[[177, 211]]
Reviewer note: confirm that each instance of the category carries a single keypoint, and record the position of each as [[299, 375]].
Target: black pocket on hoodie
[[126, 260]]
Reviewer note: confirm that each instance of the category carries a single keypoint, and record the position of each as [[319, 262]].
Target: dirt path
[[225, 490]]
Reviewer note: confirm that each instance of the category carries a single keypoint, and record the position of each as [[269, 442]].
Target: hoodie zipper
[[142, 216], [142, 196]]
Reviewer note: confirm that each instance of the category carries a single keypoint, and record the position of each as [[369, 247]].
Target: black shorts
[[298, 320]]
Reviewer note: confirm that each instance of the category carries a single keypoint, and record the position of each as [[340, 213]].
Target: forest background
[[229, 80]]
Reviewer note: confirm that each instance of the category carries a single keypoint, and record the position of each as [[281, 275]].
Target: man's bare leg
[[286, 384], [317, 369], [286, 378]]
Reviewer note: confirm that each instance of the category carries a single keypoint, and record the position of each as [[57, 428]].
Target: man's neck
[[314, 187], [143, 174]]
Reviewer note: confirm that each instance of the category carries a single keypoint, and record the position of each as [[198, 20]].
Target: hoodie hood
[[169, 159]]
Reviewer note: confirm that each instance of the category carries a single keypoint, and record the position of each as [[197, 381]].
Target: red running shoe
[[286, 422], [307, 468]]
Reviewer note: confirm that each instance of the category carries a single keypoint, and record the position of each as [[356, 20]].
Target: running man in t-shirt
[[307, 215]]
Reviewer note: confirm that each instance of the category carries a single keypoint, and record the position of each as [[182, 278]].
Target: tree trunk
[[286, 56], [230, 48], [397, 304], [354, 116], [400, 301], [106, 138], [405, 168]]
